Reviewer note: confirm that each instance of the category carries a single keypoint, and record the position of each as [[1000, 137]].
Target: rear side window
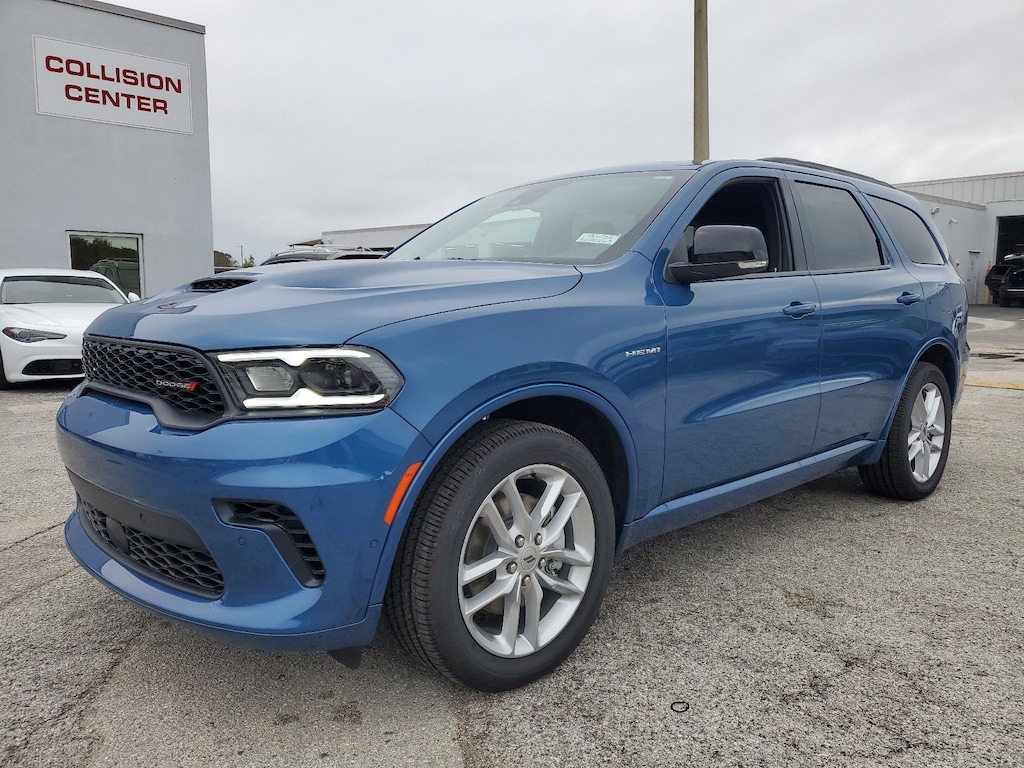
[[837, 233], [906, 226]]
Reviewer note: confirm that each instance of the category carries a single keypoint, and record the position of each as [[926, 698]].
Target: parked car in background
[[1011, 286], [324, 253], [461, 436], [43, 314], [124, 273], [996, 273]]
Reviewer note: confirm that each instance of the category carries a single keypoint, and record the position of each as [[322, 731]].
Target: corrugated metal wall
[[975, 189]]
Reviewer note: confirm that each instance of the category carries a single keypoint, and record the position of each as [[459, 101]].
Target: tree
[[221, 259]]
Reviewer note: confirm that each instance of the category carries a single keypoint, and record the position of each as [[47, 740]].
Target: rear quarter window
[[837, 234], [910, 232]]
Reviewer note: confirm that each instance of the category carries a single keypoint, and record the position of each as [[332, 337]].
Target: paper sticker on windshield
[[596, 238]]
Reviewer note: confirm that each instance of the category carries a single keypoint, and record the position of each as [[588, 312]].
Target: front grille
[[214, 284], [268, 516], [53, 368], [193, 569], [178, 376]]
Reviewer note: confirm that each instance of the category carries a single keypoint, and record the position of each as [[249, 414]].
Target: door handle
[[906, 298], [799, 309]]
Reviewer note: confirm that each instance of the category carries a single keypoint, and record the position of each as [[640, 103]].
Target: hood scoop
[[215, 284]]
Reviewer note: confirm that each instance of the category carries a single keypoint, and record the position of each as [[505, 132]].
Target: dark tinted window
[[748, 203], [1015, 276], [912, 234], [57, 289], [836, 231]]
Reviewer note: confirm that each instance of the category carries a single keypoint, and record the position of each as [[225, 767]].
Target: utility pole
[[701, 140]]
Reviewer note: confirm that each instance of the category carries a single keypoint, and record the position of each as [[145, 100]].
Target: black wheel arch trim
[[439, 450], [952, 377]]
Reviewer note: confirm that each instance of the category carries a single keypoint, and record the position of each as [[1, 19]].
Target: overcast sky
[[340, 115]]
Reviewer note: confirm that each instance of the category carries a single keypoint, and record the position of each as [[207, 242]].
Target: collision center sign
[[89, 83]]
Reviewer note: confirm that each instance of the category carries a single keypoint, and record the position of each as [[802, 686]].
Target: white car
[[43, 314]]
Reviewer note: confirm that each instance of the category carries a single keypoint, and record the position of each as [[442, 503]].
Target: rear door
[[872, 311], [945, 296]]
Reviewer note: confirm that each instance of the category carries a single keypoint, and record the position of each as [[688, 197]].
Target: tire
[[994, 293], [495, 589], [4, 383], [1004, 300], [916, 450]]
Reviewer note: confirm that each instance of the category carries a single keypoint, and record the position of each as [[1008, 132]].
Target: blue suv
[[461, 436]]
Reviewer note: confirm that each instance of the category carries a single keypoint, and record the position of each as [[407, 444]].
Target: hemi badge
[[645, 351]]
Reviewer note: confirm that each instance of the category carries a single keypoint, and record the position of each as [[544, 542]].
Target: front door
[[742, 353]]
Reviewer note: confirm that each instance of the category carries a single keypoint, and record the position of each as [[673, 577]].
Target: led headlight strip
[[294, 357]]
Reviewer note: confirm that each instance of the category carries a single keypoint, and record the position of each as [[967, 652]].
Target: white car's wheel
[[4, 383]]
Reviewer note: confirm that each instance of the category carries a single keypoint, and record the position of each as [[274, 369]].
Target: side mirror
[[718, 251], [133, 296]]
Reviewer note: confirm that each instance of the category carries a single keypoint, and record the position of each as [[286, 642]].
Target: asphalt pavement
[[821, 627]]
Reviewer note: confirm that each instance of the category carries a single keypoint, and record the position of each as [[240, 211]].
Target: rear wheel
[[915, 452], [505, 560], [1004, 300]]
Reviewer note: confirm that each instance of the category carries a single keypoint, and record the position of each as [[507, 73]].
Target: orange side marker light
[[399, 494]]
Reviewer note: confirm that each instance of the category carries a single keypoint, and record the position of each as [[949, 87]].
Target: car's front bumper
[[335, 474], [49, 359]]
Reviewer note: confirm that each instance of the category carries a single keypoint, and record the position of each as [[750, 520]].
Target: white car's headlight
[[334, 377], [30, 335]]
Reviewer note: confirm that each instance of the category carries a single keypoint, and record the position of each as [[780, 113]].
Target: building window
[[113, 255]]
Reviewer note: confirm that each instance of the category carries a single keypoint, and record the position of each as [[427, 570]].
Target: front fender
[[461, 427]]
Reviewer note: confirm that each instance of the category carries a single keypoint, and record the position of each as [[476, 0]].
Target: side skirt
[[695, 507]]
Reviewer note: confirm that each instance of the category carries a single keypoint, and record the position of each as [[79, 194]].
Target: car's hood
[[69, 317], [318, 303]]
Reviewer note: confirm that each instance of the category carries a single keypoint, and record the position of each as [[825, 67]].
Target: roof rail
[[826, 168]]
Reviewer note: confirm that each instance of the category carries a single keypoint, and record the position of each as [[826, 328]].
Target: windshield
[[586, 220], [58, 289]]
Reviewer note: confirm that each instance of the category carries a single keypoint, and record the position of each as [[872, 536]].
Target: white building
[[104, 142], [981, 219]]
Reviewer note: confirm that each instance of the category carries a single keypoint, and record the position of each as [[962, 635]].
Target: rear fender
[[953, 378]]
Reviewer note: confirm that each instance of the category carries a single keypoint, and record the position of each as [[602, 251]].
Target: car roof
[[787, 163]]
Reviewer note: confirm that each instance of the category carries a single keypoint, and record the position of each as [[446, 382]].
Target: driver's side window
[[749, 203]]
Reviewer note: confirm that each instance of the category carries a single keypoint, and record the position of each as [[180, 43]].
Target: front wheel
[[4, 383], [918, 444], [505, 560]]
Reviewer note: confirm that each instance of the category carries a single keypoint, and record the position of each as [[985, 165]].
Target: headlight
[[337, 377], [29, 335]]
